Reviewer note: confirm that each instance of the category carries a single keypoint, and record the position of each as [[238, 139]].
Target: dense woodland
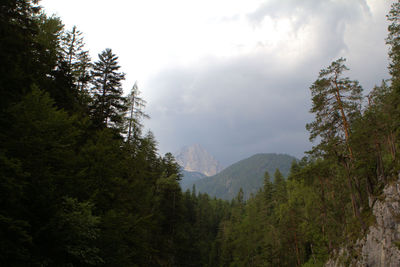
[[82, 185]]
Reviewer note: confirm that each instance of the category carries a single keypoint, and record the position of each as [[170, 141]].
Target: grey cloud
[[329, 17], [235, 108], [257, 102], [302, 11]]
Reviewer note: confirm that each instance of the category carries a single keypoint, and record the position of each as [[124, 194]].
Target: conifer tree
[[136, 104], [57, 80], [280, 187], [77, 59], [170, 166], [393, 40], [18, 50], [108, 103], [336, 102], [268, 193]]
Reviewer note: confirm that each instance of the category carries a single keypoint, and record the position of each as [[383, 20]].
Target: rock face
[[196, 159], [381, 246]]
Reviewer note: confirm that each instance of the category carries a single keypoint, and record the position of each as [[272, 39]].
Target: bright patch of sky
[[154, 34], [232, 75]]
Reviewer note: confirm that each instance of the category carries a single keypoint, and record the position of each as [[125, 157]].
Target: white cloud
[[232, 74]]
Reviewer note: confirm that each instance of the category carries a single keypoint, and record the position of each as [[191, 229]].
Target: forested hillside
[[326, 203], [246, 174], [188, 178], [82, 185]]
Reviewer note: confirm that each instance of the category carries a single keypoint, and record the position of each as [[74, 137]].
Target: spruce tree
[[280, 187], [18, 50], [77, 59], [268, 193], [55, 76], [108, 105]]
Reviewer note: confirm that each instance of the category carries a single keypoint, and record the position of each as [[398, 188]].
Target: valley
[[247, 174]]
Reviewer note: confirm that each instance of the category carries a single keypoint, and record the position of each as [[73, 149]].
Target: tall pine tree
[[108, 105], [336, 101], [136, 104], [77, 59]]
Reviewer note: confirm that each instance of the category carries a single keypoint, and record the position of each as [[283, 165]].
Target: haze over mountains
[[195, 158], [189, 178], [201, 169], [247, 174]]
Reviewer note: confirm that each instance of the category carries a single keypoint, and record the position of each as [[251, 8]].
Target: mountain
[[196, 159], [189, 178], [247, 174]]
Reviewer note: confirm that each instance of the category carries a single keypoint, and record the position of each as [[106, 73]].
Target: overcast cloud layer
[[233, 76]]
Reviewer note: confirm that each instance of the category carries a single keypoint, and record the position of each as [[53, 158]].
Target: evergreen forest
[[82, 184]]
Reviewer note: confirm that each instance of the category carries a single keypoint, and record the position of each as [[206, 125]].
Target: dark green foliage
[[40, 142], [75, 192], [325, 203], [268, 190], [336, 102], [246, 174], [76, 230], [108, 103], [393, 40], [53, 73], [77, 65], [202, 217], [18, 49], [77, 59], [392, 98]]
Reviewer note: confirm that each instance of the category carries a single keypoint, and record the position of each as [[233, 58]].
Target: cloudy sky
[[232, 75]]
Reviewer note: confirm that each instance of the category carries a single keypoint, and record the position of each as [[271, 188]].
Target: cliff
[[381, 246], [196, 159]]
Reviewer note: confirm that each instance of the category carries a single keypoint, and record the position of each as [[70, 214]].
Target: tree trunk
[[344, 119], [324, 211]]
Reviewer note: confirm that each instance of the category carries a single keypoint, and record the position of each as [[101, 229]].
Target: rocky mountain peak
[[195, 158]]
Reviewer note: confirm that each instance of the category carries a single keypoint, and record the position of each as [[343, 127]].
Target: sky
[[232, 75]]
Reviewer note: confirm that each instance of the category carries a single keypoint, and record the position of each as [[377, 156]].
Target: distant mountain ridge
[[196, 159], [189, 178], [246, 174]]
